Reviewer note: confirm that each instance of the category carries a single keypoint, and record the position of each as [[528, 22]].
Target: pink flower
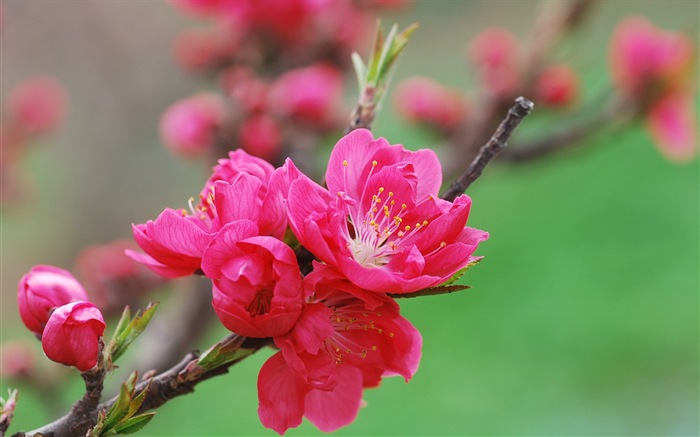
[[188, 127], [495, 54], [381, 223], [339, 346], [313, 94], [248, 90], [175, 242], [203, 48], [257, 283], [260, 136], [238, 162], [645, 59], [672, 122], [557, 85], [44, 289], [72, 335], [422, 100], [38, 104]]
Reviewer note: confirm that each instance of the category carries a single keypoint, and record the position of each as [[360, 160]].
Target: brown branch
[[179, 380], [498, 142], [364, 112]]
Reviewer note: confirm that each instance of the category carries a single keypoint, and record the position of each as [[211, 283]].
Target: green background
[[583, 316]]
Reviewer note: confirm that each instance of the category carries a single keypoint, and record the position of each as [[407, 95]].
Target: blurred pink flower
[[72, 335], [248, 90], [43, 289], [646, 59], [17, 359], [313, 94], [422, 100], [187, 128], [494, 52], [672, 122], [260, 136], [256, 281], [339, 346], [381, 222], [38, 105], [652, 67], [557, 85], [204, 48]]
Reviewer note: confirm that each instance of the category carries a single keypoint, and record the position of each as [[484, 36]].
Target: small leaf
[[440, 289], [131, 331], [458, 275], [134, 424], [136, 403], [360, 70], [118, 411]]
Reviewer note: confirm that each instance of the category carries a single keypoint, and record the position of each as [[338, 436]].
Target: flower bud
[[422, 100], [557, 85], [187, 127], [495, 54], [42, 290], [16, 360], [72, 335]]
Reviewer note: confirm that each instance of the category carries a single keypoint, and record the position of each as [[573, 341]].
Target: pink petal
[[355, 148], [330, 410], [281, 395]]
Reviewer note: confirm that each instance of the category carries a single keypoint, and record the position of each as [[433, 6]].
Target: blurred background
[[582, 319]]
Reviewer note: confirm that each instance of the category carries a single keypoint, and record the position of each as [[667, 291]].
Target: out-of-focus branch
[[520, 109], [617, 114]]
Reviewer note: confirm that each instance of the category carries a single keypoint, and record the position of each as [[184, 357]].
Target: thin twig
[[498, 142]]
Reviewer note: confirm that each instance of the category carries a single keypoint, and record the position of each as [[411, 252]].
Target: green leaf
[[225, 351], [457, 276], [136, 403], [134, 424], [126, 333], [360, 70], [440, 289]]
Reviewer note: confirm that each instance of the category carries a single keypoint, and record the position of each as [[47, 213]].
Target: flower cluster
[[54, 306], [279, 68], [377, 229]]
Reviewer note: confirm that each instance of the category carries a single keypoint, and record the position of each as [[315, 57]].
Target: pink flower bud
[[422, 100], [557, 85], [495, 54], [249, 91], [187, 127], [260, 136], [672, 121], [72, 335], [42, 290], [313, 93], [38, 104], [199, 49]]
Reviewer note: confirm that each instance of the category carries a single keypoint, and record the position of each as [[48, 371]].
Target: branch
[[498, 142], [176, 381]]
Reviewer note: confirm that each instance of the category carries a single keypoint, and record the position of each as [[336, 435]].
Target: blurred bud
[[557, 85], [188, 127], [249, 91], [422, 100], [646, 60], [672, 122], [198, 8], [200, 49], [38, 105], [112, 279], [72, 335], [313, 93], [494, 52], [16, 360], [260, 136], [42, 290]]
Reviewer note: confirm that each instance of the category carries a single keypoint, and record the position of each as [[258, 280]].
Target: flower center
[[376, 233]]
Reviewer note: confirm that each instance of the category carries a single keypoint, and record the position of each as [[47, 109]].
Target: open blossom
[[43, 289], [72, 335], [257, 284], [175, 242], [340, 345], [381, 223]]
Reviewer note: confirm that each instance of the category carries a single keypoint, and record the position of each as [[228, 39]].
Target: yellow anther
[[391, 334], [381, 189], [374, 348], [407, 228], [391, 193], [345, 163], [425, 222], [374, 163], [403, 206], [443, 244], [183, 212]]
